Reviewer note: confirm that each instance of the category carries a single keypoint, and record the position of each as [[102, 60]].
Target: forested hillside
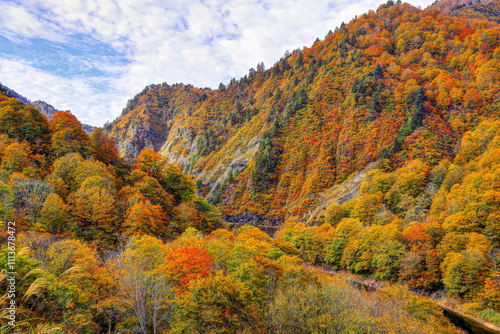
[[386, 130], [102, 246], [42, 106], [398, 83], [56, 178], [375, 151]]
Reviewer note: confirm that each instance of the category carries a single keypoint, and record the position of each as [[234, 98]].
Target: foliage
[[378, 147], [399, 83], [67, 135]]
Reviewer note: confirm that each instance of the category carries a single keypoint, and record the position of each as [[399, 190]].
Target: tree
[[96, 169], [334, 213], [68, 135], [185, 263], [151, 162], [16, 157], [142, 287], [55, 216], [386, 259], [410, 181], [95, 212], [30, 195], [420, 265], [73, 287], [178, 184], [146, 218], [346, 230], [491, 292], [104, 148], [216, 304], [6, 201], [151, 189], [310, 241], [24, 123], [462, 272], [311, 307], [64, 168]]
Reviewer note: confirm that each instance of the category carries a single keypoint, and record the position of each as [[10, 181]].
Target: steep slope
[[11, 93], [147, 119], [45, 108], [399, 83]]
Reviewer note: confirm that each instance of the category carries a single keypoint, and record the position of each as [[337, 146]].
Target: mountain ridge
[[45, 108], [376, 151], [389, 84]]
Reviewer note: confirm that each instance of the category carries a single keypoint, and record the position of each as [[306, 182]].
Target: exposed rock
[[266, 224], [340, 193], [45, 108]]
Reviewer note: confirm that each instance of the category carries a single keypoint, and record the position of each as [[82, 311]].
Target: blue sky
[[91, 56]]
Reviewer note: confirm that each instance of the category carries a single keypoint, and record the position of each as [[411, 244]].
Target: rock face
[[268, 224], [45, 108], [141, 135], [289, 140], [340, 193], [12, 93], [147, 119]]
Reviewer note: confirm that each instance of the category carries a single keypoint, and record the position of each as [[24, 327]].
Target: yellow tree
[[55, 216], [491, 292], [151, 162], [462, 272], [16, 157], [73, 287], [142, 288], [146, 218], [216, 304], [95, 212]]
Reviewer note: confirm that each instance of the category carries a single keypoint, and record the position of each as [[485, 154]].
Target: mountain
[[372, 156], [398, 83], [480, 9], [42, 106], [45, 108], [11, 93]]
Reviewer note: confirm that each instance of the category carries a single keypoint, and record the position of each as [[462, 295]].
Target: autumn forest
[[352, 187]]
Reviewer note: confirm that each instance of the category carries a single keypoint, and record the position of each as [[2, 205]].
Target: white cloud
[[81, 95], [16, 23], [202, 42]]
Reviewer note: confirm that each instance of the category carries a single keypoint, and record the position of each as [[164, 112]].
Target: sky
[[91, 56]]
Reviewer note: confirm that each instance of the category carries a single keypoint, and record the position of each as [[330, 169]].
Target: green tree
[[462, 272], [30, 196], [346, 230]]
